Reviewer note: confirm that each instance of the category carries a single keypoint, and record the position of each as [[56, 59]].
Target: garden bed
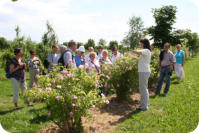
[[107, 117]]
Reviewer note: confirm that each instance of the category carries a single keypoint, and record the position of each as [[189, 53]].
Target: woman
[[93, 63], [105, 59], [180, 59], [144, 72], [115, 54], [34, 68], [79, 57], [17, 71]]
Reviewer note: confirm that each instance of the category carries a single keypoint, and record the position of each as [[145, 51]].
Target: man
[[52, 57], [90, 49], [79, 59], [67, 58], [167, 61]]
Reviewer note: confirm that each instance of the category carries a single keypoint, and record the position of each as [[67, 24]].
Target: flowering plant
[[69, 95]]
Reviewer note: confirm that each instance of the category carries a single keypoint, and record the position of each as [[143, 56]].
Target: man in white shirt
[[115, 55], [52, 57]]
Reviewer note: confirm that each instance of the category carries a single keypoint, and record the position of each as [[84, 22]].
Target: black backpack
[[46, 63], [7, 69], [61, 59]]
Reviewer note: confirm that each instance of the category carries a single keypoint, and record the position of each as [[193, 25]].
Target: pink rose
[[58, 86], [96, 85], [48, 89], [105, 84], [118, 85], [87, 111], [53, 81], [71, 114], [75, 98], [130, 89], [40, 90], [93, 106], [58, 98], [61, 77], [69, 75], [107, 77], [64, 72], [49, 114], [73, 105], [94, 116]]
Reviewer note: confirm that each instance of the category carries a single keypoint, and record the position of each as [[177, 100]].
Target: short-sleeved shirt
[[168, 59], [79, 60], [179, 56], [113, 57], [144, 61], [69, 56], [20, 73], [53, 58]]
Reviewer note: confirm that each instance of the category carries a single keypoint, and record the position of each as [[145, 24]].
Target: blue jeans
[[164, 72]]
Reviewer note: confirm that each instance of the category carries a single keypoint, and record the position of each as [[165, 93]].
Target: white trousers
[[143, 88], [179, 71], [16, 85]]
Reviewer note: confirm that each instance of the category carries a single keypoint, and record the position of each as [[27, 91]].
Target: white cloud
[[196, 2], [31, 16]]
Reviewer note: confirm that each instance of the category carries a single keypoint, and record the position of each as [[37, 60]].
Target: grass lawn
[[178, 112], [25, 120]]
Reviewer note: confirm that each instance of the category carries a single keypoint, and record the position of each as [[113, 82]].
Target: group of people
[[92, 62]]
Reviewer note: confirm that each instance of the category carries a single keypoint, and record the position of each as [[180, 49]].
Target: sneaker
[[16, 108], [30, 105]]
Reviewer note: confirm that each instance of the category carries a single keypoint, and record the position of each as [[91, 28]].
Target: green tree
[[164, 19], [113, 44], [3, 43], [135, 33], [102, 42], [49, 38], [90, 43]]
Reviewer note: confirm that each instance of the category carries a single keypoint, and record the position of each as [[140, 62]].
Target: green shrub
[[69, 95]]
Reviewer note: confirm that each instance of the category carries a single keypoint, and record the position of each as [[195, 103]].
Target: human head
[[62, 49], [92, 56], [18, 52], [166, 46], [90, 49], [100, 48], [179, 47], [54, 48], [114, 50], [105, 53], [80, 51], [145, 44], [72, 45], [32, 53]]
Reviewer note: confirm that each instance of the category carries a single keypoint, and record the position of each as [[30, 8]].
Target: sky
[[80, 20]]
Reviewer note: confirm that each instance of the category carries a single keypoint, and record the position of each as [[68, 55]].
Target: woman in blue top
[[79, 57], [180, 59]]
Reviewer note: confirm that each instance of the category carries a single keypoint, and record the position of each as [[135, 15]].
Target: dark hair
[[32, 51], [100, 47], [17, 50], [71, 43], [167, 43], [114, 48], [146, 43], [54, 46]]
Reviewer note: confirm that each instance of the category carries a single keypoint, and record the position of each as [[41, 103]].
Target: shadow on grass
[[9, 111], [40, 115]]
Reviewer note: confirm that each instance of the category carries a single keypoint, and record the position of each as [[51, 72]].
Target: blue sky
[[83, 19]]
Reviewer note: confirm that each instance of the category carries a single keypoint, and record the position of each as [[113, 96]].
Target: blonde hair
[[92, 53]]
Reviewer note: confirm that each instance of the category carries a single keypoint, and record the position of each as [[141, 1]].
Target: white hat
[[81, 49]]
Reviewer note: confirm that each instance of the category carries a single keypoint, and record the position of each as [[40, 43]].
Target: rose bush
[[69, 95], [122, 77]]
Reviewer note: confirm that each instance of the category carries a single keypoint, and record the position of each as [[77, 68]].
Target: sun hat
[[81, 49]]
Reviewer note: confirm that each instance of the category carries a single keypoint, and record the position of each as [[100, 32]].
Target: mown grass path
[[178, 112]]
